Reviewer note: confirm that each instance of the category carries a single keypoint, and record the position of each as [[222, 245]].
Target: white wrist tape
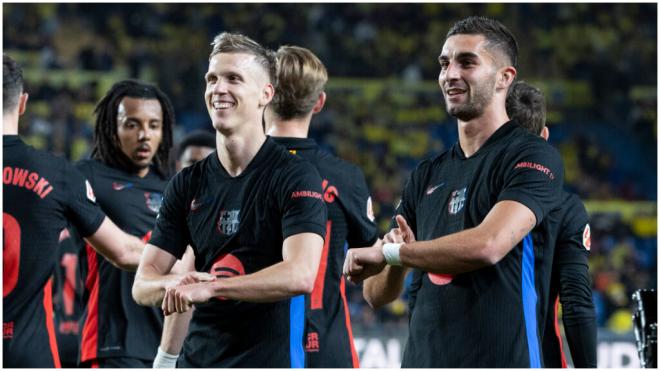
[[165, 360], [391, 253]]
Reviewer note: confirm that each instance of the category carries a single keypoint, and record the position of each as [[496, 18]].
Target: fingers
[[203, 277], [352, 266], [408, 235], [169, 305], [393, 236]]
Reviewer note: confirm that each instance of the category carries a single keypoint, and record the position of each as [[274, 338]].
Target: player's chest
[[453, 199], [128, 201], [243, 212]]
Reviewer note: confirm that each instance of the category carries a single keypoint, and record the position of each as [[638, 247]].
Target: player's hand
[[363, 263], [181, 298], [169, 301], [405, 230]]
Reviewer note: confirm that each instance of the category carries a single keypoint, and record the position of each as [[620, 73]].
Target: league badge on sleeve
[[90, 192], [370, 210], [586, 237]]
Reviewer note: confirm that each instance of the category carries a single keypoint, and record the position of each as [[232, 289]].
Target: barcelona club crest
[[457, 201], [228, 222], [154, 200]]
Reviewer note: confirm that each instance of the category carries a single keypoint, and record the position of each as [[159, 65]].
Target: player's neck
[[10, 124], [474, 133], [236, 151], [294, 128]]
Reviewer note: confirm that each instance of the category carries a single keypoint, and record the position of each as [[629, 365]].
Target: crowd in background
[[596, 64]]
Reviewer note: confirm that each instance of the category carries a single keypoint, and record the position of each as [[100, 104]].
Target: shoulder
[[574, 211]]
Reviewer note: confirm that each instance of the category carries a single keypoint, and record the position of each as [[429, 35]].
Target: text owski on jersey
[[29, 180]]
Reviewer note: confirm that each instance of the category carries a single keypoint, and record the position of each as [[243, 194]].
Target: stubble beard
[[480, 97]]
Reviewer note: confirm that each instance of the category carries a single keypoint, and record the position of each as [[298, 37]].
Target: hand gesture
[[362, 263]]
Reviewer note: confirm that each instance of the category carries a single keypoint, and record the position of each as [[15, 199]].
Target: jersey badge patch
[[370, 210], [457, 201], [154, 200], [586, 237], [228, 222], [90, 192]]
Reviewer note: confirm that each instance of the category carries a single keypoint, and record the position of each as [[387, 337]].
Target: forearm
[[277, 282], [149, 288], [456, 253], [175, 329], [384, 287]]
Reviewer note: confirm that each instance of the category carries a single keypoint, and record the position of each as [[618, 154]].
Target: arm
[[505, 226], [153, 276], [293, 276], [120, 248], [387, 285], [175, 327]]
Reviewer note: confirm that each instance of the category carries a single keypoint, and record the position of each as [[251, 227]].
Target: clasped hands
[[362, 263], [190, 288]]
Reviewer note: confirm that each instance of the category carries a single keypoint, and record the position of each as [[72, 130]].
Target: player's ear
[[267, 94], [319, 103], [545, 133], [22, 103], [505, 78]]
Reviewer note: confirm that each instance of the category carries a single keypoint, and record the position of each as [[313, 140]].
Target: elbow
[[136, 292], [303, 282], [489, 252]]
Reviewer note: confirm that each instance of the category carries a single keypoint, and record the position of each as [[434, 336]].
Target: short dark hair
[[226, 42], [526, 105], [12, 83], [198, 138], [106, 142], [497, 36]]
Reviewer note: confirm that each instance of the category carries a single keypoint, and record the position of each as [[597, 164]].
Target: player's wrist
[[165, 360], [391, 252]]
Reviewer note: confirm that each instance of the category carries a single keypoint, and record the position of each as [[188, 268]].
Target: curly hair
[[106, 141]]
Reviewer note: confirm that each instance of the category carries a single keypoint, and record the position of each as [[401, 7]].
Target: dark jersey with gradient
[[40, 193], [68, 290], [328, 333], [490, 317], [113, 324], [570, 284], [236, 226]]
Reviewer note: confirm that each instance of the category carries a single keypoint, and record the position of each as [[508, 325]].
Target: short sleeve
[[534, 176], [171, 232], [82, 209], [361, 226], [302, 200], [407, 205]]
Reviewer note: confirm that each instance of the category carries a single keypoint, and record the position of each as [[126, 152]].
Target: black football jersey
[[114, 325], [570, 284], [68, 289], [237, 225], [41, 194], [328, 332], [490, 317]]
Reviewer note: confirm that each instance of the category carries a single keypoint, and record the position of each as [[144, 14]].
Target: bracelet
[[391, 253], [165, 360]]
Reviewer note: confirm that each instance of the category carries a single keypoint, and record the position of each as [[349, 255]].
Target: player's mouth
[[453, 92], [143, 152], [220, 105]]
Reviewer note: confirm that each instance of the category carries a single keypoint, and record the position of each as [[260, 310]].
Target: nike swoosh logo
[[430, 190], [118, 186]]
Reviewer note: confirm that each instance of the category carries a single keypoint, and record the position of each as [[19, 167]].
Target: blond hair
[[236, 43], [301, 78]]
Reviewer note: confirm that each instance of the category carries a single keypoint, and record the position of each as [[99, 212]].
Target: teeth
[[221, 105]]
